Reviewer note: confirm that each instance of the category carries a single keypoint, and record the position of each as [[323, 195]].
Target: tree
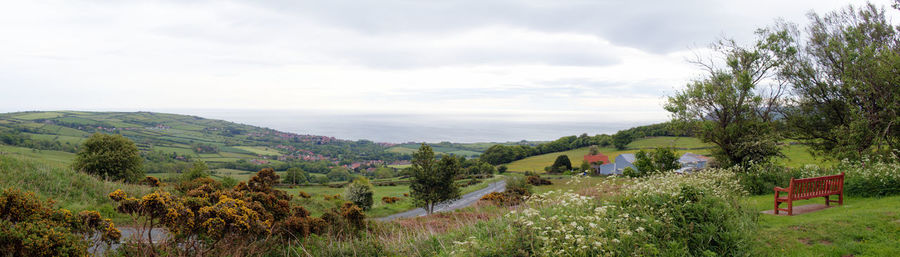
[[660, 160], [339, 174], [502, 169], [198, 170], [384, 172], [432, 181], [734, 107], [111, 157], [360, 192], [594, 150], [844, 76], [585, 166], [561, 164], [295, 176], [622, 139]]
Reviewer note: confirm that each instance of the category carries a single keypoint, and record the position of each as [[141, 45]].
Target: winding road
[[465, 200]]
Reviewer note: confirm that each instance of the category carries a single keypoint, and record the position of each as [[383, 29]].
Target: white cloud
[[500, 59]]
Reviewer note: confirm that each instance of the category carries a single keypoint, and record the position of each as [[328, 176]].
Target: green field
[[795, 155], [55, 156], [260, 150], [676, 142]]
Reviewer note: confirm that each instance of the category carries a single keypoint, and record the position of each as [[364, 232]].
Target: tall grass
[[69, 189]]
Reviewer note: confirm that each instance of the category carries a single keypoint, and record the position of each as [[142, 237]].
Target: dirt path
[[465, 200]]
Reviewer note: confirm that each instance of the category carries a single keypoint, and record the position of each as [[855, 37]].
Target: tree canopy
[[432, 181], [110, 156]]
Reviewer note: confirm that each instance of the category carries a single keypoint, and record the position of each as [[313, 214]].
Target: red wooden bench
[[808, 188]]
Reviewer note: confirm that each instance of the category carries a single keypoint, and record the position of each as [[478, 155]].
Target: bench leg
[[841, 198], [827, 201], [790, 208], [776, 203]]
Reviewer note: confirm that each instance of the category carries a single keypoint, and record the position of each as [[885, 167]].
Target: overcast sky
[[519, 60]]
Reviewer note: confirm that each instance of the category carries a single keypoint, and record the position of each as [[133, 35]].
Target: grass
[[260, 150], [861, 227], [55, 156], [799, 155], [677, 142], [69, 189]]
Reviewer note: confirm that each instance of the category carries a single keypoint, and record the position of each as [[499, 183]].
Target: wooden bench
[[808, 188]]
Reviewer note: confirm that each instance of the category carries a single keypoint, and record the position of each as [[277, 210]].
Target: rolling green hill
[[214, 141]]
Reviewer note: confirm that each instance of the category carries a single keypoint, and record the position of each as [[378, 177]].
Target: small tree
[[502, 169], [562, 163], [110, 156], [198, 170], [594, 150], [660, 160], [295, 176], [585, 166], [433, 181], [339, 174], [360, 192]]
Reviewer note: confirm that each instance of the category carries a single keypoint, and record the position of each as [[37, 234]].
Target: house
[[599, 157], [695, 161], [622, 161]]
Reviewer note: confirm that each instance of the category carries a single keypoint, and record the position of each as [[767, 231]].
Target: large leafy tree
[[295, 176], [844, 71], [562, 163], [433, 180], [111, 157], [734, 104]]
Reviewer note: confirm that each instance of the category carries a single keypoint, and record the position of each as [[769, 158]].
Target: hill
[[182, 136]]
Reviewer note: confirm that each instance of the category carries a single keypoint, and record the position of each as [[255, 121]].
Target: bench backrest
[[816, 187]]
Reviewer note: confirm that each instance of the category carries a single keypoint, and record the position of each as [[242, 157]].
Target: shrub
[[32, 227], [390, 199], [303, 195], [759, 179], [110, 156], [865, 177], [360, 192], [537, 181], [151, 181]]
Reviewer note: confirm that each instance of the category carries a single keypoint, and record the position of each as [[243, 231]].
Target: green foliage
[[502, 169], [561, 164], [660, 160], [384, 172], [733, 107], [339, 174], [843, 72], [585, 166], [30, 226], [110, 156], [198, 170], [295, 176], [360, 193], [629, 172], [432, 181]]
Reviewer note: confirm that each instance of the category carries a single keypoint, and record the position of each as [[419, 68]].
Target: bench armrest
[[781, 189]]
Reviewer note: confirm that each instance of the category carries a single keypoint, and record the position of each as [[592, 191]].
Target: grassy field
[[862, 227], [260, 150], [676, 142], [69, 189], [538, 162], [55, 156]]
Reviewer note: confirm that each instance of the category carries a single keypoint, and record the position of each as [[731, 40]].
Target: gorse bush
[[32, 227]]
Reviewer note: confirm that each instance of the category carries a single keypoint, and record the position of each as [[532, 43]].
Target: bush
[[760, 179], [32, 227], [537, 181], [110, 156], [866, 177], [151, 181], [390, 199], [360, 192], [303, 195]]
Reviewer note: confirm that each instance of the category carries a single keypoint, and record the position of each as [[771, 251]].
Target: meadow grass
[[260, 150], [676, 142], [50, 155], [69, 189], [861, 227], [576, 156]]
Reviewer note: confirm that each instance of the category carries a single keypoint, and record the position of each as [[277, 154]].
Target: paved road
[[465, 200]]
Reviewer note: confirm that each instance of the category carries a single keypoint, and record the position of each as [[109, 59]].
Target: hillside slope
[[180, 135]]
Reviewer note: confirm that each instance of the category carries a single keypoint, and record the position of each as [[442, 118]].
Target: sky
[[518, 61]]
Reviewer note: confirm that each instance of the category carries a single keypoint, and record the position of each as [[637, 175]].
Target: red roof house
[[597, 158]]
